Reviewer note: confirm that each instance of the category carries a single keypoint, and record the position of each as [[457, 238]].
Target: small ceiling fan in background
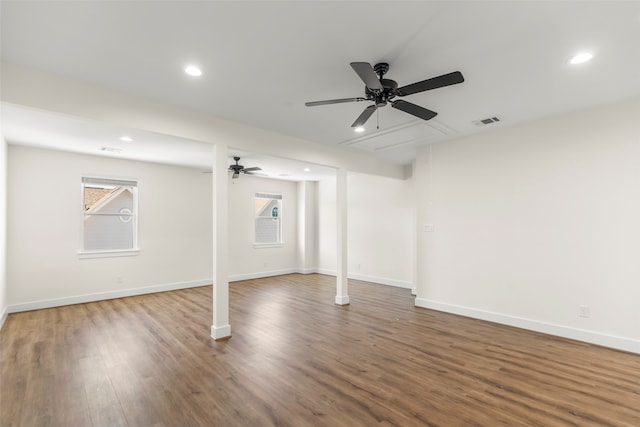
[[237, 169], [382, 91]]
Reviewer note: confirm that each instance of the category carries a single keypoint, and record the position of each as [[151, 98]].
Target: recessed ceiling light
[[359, 129], [581, 58], [307, 169], [194, 71], [126, 138]]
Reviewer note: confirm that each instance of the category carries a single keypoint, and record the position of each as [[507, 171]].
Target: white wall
[[380, 228], [44, 224], [533, 221], [3, 230], [245, 260]]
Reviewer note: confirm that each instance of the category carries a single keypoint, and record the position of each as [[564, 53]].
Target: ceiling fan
[[237, 169], [381, 90]]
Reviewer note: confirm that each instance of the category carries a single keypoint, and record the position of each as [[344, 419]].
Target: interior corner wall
[[245, 260], [380, 229], [535, 225], [3, 230], [45, 220]]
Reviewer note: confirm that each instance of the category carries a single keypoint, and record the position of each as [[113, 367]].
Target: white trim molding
[[382, 280], [261, 274], [100, 296], [372, 279], [107, 254], [220, 332], [268, 245], [619, 343]]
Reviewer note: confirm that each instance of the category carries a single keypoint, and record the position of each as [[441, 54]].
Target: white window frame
[[280, 242], [133, 217]]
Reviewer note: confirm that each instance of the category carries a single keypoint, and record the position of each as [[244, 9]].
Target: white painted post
[[342, 291], [422, 174], [307, 258], [220, 327]]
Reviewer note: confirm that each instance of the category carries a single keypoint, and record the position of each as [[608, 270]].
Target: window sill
[[267, 245], [108, 254]]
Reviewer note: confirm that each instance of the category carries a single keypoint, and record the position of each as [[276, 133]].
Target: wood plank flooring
[[296, 359]]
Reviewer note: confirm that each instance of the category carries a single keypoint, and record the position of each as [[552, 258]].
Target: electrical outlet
[[584, 311], [428, 228], [119, 280]]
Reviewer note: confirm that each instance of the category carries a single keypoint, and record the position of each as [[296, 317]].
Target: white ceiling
[[263, 60]]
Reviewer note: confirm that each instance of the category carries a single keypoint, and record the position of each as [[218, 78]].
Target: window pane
[[109, 211], [266, 209], [267, 230], [268, 212], [107, 199], [108, 232]]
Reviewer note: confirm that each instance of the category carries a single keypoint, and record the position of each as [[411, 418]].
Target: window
[[268, 229], [109, 211]]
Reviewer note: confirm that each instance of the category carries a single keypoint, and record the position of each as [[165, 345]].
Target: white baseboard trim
[[220, 332], [326, 272], [373, 279], [262, 274], [620, 343], [99, 296], [121, 293], [3, 316], [381, 280]]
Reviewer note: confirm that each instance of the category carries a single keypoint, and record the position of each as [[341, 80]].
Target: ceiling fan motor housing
[[237, 167], [387, 93]]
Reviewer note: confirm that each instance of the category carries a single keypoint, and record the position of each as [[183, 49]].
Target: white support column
[[220, 327], [342, 291], [307, 223], [424, 225]]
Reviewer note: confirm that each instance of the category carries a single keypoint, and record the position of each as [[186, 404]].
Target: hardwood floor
[[296, 359]]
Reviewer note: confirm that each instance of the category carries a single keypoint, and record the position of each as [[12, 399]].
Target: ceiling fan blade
[[333, 101], [362, 119], [433, 83], [255, 168], [414, 109], [368, 76]]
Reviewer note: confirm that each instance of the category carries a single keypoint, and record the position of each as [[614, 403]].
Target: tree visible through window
[[268, 222], [109, 214]]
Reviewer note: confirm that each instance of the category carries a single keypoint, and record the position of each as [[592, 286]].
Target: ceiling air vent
[[486, 121], [111, 149]]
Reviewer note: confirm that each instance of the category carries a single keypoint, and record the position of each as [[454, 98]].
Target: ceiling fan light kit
[[382, 91]]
